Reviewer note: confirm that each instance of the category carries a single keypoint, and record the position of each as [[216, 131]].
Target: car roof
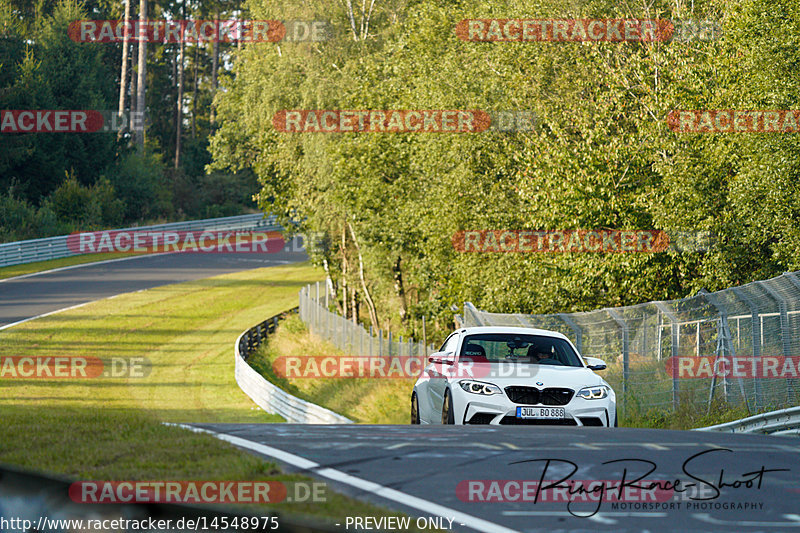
[[512, 329]]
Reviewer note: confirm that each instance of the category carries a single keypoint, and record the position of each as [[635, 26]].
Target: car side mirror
[[442, 358], [593, 363]]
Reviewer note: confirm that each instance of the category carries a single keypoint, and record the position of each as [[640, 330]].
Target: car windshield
[[517, 348]]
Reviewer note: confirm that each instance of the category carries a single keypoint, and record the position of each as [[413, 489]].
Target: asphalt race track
[[426, 470], [429, 462], [34, 295]]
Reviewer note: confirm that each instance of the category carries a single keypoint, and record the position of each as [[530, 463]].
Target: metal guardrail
[[269, 396], [783, 422], [21, 252]]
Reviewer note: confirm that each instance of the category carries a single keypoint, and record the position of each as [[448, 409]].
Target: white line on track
[[402, 498]]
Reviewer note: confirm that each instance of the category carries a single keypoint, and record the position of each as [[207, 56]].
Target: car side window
[[450, 344]]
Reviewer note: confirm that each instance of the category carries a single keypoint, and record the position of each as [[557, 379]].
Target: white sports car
[[513, 376]]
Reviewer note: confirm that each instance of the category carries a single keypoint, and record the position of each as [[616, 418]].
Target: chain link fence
[[739, 344], [348, 335]]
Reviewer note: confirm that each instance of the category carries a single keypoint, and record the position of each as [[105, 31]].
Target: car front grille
[[533, 396], [514, 421]]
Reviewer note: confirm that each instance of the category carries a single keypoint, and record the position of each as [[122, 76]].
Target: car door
[[438, 380]]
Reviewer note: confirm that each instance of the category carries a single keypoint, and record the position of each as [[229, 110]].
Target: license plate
[[541, 412]]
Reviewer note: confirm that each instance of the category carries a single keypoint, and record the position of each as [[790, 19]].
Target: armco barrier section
[[784, 422], [268, 396], [20, 252], [33, 497]]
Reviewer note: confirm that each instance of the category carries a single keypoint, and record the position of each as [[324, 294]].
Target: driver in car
[[541, 355]]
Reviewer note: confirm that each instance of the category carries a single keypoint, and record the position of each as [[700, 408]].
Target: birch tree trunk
[[142, 70], [123, 78], [179, 121]]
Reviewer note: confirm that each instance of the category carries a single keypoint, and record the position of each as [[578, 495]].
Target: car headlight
[[594, 393], [477, 387]]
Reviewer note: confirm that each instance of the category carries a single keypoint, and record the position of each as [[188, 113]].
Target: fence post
[[389, 335], [667, 312], [625, 355], [371, 341], [575, 329], [726, 342], [785, 331], [316, 307], [380, 342], [755, 333]]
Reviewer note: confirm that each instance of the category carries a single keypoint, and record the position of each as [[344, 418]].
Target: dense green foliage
[[54, 183], [601, 156]]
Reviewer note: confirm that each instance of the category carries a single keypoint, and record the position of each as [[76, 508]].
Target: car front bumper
[[500, 410]]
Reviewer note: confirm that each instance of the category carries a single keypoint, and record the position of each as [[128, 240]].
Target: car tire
[[448, 416], [414, 408]]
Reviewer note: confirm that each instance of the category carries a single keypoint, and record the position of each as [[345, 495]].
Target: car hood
[[504, 375]]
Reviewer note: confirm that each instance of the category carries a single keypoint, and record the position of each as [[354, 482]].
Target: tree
[[141, 82]]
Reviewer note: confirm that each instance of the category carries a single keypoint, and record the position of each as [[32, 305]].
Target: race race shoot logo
[[373, 121], [40, 367], [242, 241], [709, 366], [734, 121], [68, 121], [197, 492], [199, 31]]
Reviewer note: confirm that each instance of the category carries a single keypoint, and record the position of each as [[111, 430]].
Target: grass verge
[[364, 400], [112, 429]]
